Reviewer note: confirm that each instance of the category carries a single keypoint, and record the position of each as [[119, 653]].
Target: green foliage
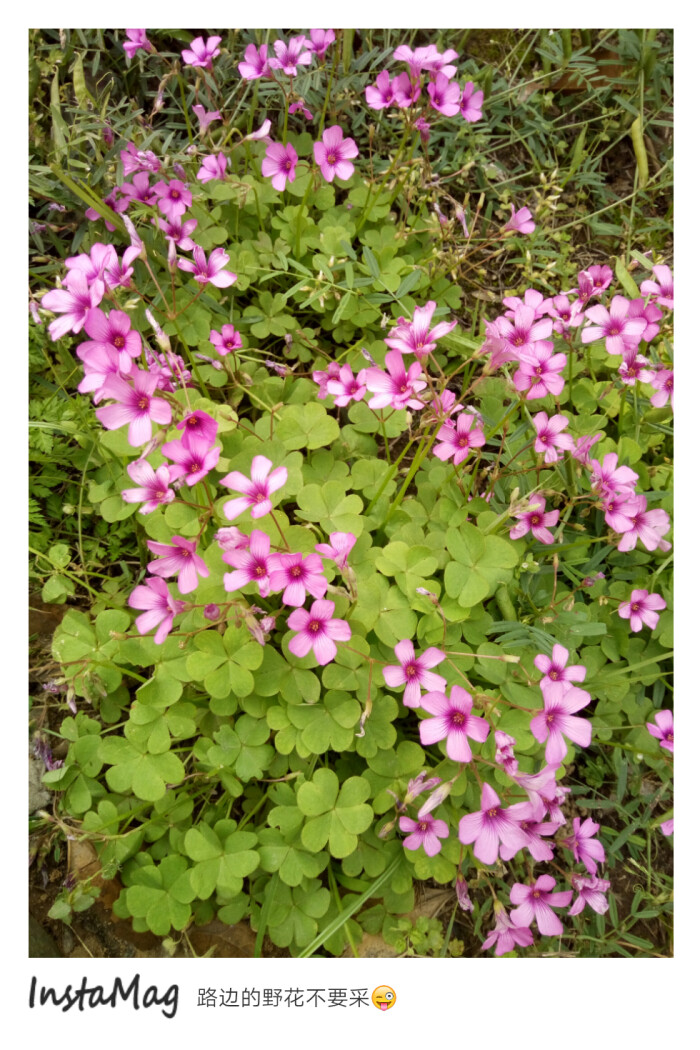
[[217, 773]]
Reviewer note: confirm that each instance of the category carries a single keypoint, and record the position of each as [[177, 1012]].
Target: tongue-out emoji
[[384, 997]]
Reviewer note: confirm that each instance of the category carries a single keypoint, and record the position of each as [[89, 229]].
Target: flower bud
[[462, 891], [172, 256], [386, 829], [211, 612], [161, 338], [435, 799]]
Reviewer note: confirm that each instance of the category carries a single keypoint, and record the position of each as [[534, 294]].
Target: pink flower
[[536, 902], [204, 118], [607, 477], [280, 162], [297, 575], [636, 370], [119, 275], [425, 832], [340, 546], [417, 337], [557, 676], [489, 826], [193, 458], [178, 557], [290, 55], [321, 40], [541, 788], [257, 489], [520, 221], [434, 62], [213, 167], [405, 94], [322, 378], [74, 301], [648, 526], [139, 189], [333, 154], [380, 94], [583, 448], [413, 672], [566, 315], [472, 101], [557, 720], [621, 332], [525, 331], [591, 891], [585, 848], [619, 509], [98, 363], [211, 270], [198, 425], [256, 63], [318, 631], [505, 933], [549, 436], [178, 232], [299, 106], [648, 312], [444, 95], [153, 485], [253, 565], [454, 721], [231, 539], [135, 406], [539, 371], [399, 388], [200, 53], [457, 441], [536, 521], [667, 827], [138, 41], [138, 160], [112, 332], [173, 197], [529, 818], [226, 340], [640, 609], [662, 381], [663, 730], [504, 755], [661, 292], [347, 387], [161, 608], [600, 278]]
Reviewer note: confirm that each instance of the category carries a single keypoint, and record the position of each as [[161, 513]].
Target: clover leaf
[[334, 817]]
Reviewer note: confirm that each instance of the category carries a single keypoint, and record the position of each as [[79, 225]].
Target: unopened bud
[[211, 612], [179, 172], [435, 799], [367, 356], [462, 890], [172, 256], [161, 338], [386, 829]]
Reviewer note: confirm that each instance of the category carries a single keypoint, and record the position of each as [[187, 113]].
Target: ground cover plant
[[351, 469]]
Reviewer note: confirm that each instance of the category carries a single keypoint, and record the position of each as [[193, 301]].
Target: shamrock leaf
[[336, 818], [222, 858], [482, 563]]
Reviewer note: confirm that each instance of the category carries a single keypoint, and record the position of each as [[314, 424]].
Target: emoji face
[[383, 997]]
